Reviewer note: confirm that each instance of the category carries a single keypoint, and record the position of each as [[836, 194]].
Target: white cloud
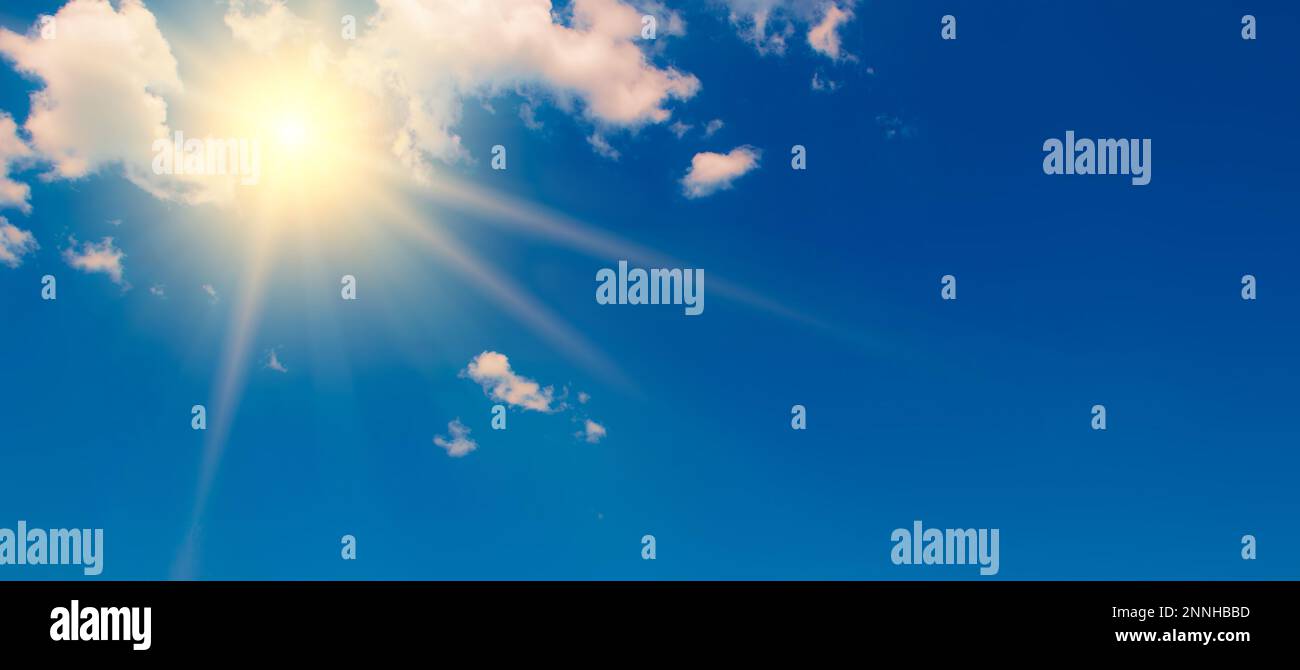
[[428, 55], [273, 363], [15, 243], [102, 101], [824, 37], [94, 257], [602, 147], [269, 26], [592, 432], [713, 127], [768, 24], [826, 85], [711, 172], [583, 397], [12, 150], [158, 290], [680, 129], [211, 291], [460, 442], [529, 115], [492, 371]]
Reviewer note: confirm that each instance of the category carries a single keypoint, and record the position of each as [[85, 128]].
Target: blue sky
[[924, 160]]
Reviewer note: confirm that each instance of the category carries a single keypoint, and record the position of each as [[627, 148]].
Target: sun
[[317, 138], [292, 133]]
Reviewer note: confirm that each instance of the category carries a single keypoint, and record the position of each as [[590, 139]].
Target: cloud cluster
[[711, 172], [493, 372], [769, 24], [429, 55]]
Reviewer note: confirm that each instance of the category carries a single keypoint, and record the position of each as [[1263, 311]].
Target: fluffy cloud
[[267, 26], [99, 103], [428, 55], [592, 432], [460, 442], [12, 150], [768, 24], [96, 257], [14, 243], [710, 172], [492, 371], [102, 101], [824, 37]]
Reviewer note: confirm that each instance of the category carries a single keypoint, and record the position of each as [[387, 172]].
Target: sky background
[[924, 161]]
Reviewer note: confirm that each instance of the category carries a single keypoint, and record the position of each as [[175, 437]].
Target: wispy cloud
[[711, 172], [712, 127], [211, 291], [273, 362], [769, 24], [602, 146], [460, 443], [92, 257]]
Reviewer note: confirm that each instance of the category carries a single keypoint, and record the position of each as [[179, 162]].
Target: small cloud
[[13, 150], [529, 115], [711, 172], [591, 431], [583, 397], [94, 257], [273, 363], [680, 129], [212, 292], [15, 243], [824, 37], [158, 290], [712, 127], [894, 127], [114, 222], [602, 147], [825, 85], [492, 371], [460, 442]]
